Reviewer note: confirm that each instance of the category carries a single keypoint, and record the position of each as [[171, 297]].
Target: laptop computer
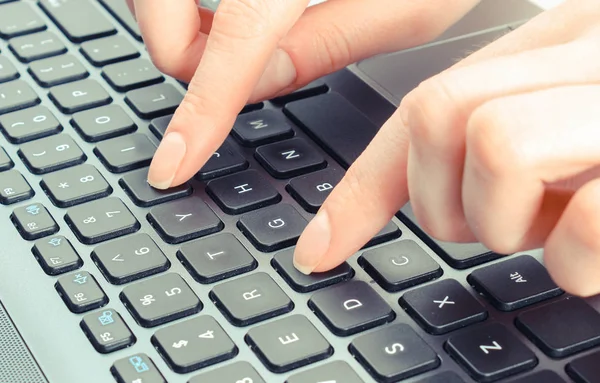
[[104, 279]]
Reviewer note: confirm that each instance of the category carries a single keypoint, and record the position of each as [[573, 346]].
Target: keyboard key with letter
[[76, 185], [226, 160], [290, 158], [261, 127], [251, 299], [29, 124], [288, 343], [107, 331], [81, 292], [490, 353], [56, 255], [235, 372], [80, 95], [78, 20], [154, 101], [394, 353], [137, 187], [350, 308], [131, 74], [101, 123], [51, 153], [194, 344], [126, 153], [443, 306], [160, 299], [311, 190], [34, 221]]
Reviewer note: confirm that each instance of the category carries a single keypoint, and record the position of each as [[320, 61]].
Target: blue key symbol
[[106, 318], [33, 209], [138, 364], [55, 242], [81, 279]]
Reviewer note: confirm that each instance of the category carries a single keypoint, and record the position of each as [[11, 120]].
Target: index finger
[[242, 42]]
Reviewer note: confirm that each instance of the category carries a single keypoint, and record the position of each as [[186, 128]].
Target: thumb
[[372, 191]]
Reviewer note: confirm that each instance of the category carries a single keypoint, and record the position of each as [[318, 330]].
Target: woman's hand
[[503, 148]]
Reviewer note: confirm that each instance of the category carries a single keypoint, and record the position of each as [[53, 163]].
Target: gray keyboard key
[[132, 74], [33, 221], [38, 46], [288, 343], [56, 255], [394, 353], [193, 344], [14, 187], [29, 124], [51, 153], [102, 123], [8, 71], [76, 185], [126, 153], [226, 160], [57, 70], [261, 127], [251, 299], [79, 20], [108, 50], [161, 299], [77, 96], [80, 292], [136, 368], [122, 13], [19, 19], [101, 220], [16, 95], [5, 161], [337, 371], [154, 101], [216, 258], [233, 373], [127, 259], [136, 185], [545, 376], [107, 331]]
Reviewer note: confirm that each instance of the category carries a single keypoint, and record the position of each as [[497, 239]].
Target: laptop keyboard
[[232, 230]]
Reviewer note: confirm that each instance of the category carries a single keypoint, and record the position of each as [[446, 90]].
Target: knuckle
[[167, 62], [241, 19], [336, 48]]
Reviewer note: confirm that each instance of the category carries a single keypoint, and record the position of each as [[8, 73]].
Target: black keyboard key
[[388, 233], [80, 292], [290, 158], [288, 343], [56, 255], [545, 326], [132, 74], [159, 125], [514, 283], [394, 353], [261, 127], [122, 13], [6, 163], [57, 70], [14, 188], [126, 153], [29, 124], [314, 88], [75, 185], [78, 20], [127, 259], [236, 372], [101, 123], [335, 124], [184, 219], [273, 228], [242, 192], [135, 369], [251, 299], [18, 19], [490, 352], [193, 344], [36, 47], [101, 220], [33, 221], [350, 308], [154, 101], [139, 190], [333, 372], [283, 263], [399, 265], [584, 369], [108, 50], [51, 153], [216, 258], [161, 299], [444, 377], [311, 190], [107, 331], [545, 376], [443, 306], [80, 95], [226, 160], [8, 71], [16, 95]]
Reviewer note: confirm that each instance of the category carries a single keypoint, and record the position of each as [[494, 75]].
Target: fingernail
[[166, 161], [279, 74], [313, 243]]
